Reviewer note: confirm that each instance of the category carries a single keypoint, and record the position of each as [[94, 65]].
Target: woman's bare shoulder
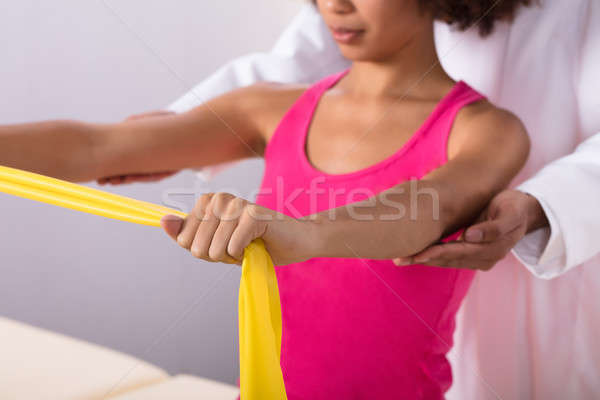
[[488, 123], [278, 88], [272, 100]]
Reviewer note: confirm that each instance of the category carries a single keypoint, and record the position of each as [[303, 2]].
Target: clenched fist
[[221, 225]]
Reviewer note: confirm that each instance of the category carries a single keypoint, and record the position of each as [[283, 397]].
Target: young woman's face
[[372, 30]]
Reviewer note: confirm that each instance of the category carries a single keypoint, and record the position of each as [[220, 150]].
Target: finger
[[203, 236], [153, 177], [156, 177], [192, 222], [172, 225], [401, 261], [228, 223], [445, 263], [495, 222], [408, 260], [242, 236], [131, 178], [456, 255], [474, 234], [208, 226], [137, 178], [446, 251], [160, 113], [481, 265], [116, 180], [491, 231]]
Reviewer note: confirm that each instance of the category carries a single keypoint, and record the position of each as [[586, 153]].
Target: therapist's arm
[[506, 220], [568, 190], [552, 220]]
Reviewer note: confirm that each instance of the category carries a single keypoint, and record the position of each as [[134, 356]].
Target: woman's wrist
[[312, 241]]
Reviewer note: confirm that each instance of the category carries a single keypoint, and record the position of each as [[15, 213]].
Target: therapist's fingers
[[453, 255], [431, 253], [152, 177], [424, 254], [460, 255], [125, 179], [150, 114], [499, 227], [502, 220]]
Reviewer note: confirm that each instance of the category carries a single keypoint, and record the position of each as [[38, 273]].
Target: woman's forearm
[[61, 149], [397, 222]]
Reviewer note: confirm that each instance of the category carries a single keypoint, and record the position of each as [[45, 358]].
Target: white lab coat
[[518, 336]]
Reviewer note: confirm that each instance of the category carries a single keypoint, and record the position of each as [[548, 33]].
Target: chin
[[356, 54], [362, 54]]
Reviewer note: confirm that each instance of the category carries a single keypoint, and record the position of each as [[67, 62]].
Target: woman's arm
[[223, 129], [487, 149], [62, 149], [304, 53]]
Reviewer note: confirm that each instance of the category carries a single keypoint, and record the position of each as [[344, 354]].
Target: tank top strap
[[289, 133], [465, 96], [438, 132], [317, 89]]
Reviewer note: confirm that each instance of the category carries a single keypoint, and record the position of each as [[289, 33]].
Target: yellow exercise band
[[259, 309], [259, 314]]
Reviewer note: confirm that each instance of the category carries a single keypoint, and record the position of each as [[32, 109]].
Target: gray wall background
[[124, 286]]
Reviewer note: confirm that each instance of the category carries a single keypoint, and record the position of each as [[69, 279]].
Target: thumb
[[172, 225], [504, 219]]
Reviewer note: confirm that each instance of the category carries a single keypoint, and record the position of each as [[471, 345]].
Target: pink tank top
[[362, 328]]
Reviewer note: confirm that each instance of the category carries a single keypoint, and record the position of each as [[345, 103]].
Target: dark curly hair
[[465, 13]]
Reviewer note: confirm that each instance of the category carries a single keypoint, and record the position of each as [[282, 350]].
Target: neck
[[414, 69]]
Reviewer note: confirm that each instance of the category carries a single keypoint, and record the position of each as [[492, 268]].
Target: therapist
[[518, 336]]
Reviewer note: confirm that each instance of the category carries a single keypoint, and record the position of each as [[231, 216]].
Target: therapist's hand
[[131, 178], [221, 225], [508, 217]]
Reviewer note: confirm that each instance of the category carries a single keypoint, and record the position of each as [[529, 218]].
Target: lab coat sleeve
[[304, 53], [568, 189], [569, 193]]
